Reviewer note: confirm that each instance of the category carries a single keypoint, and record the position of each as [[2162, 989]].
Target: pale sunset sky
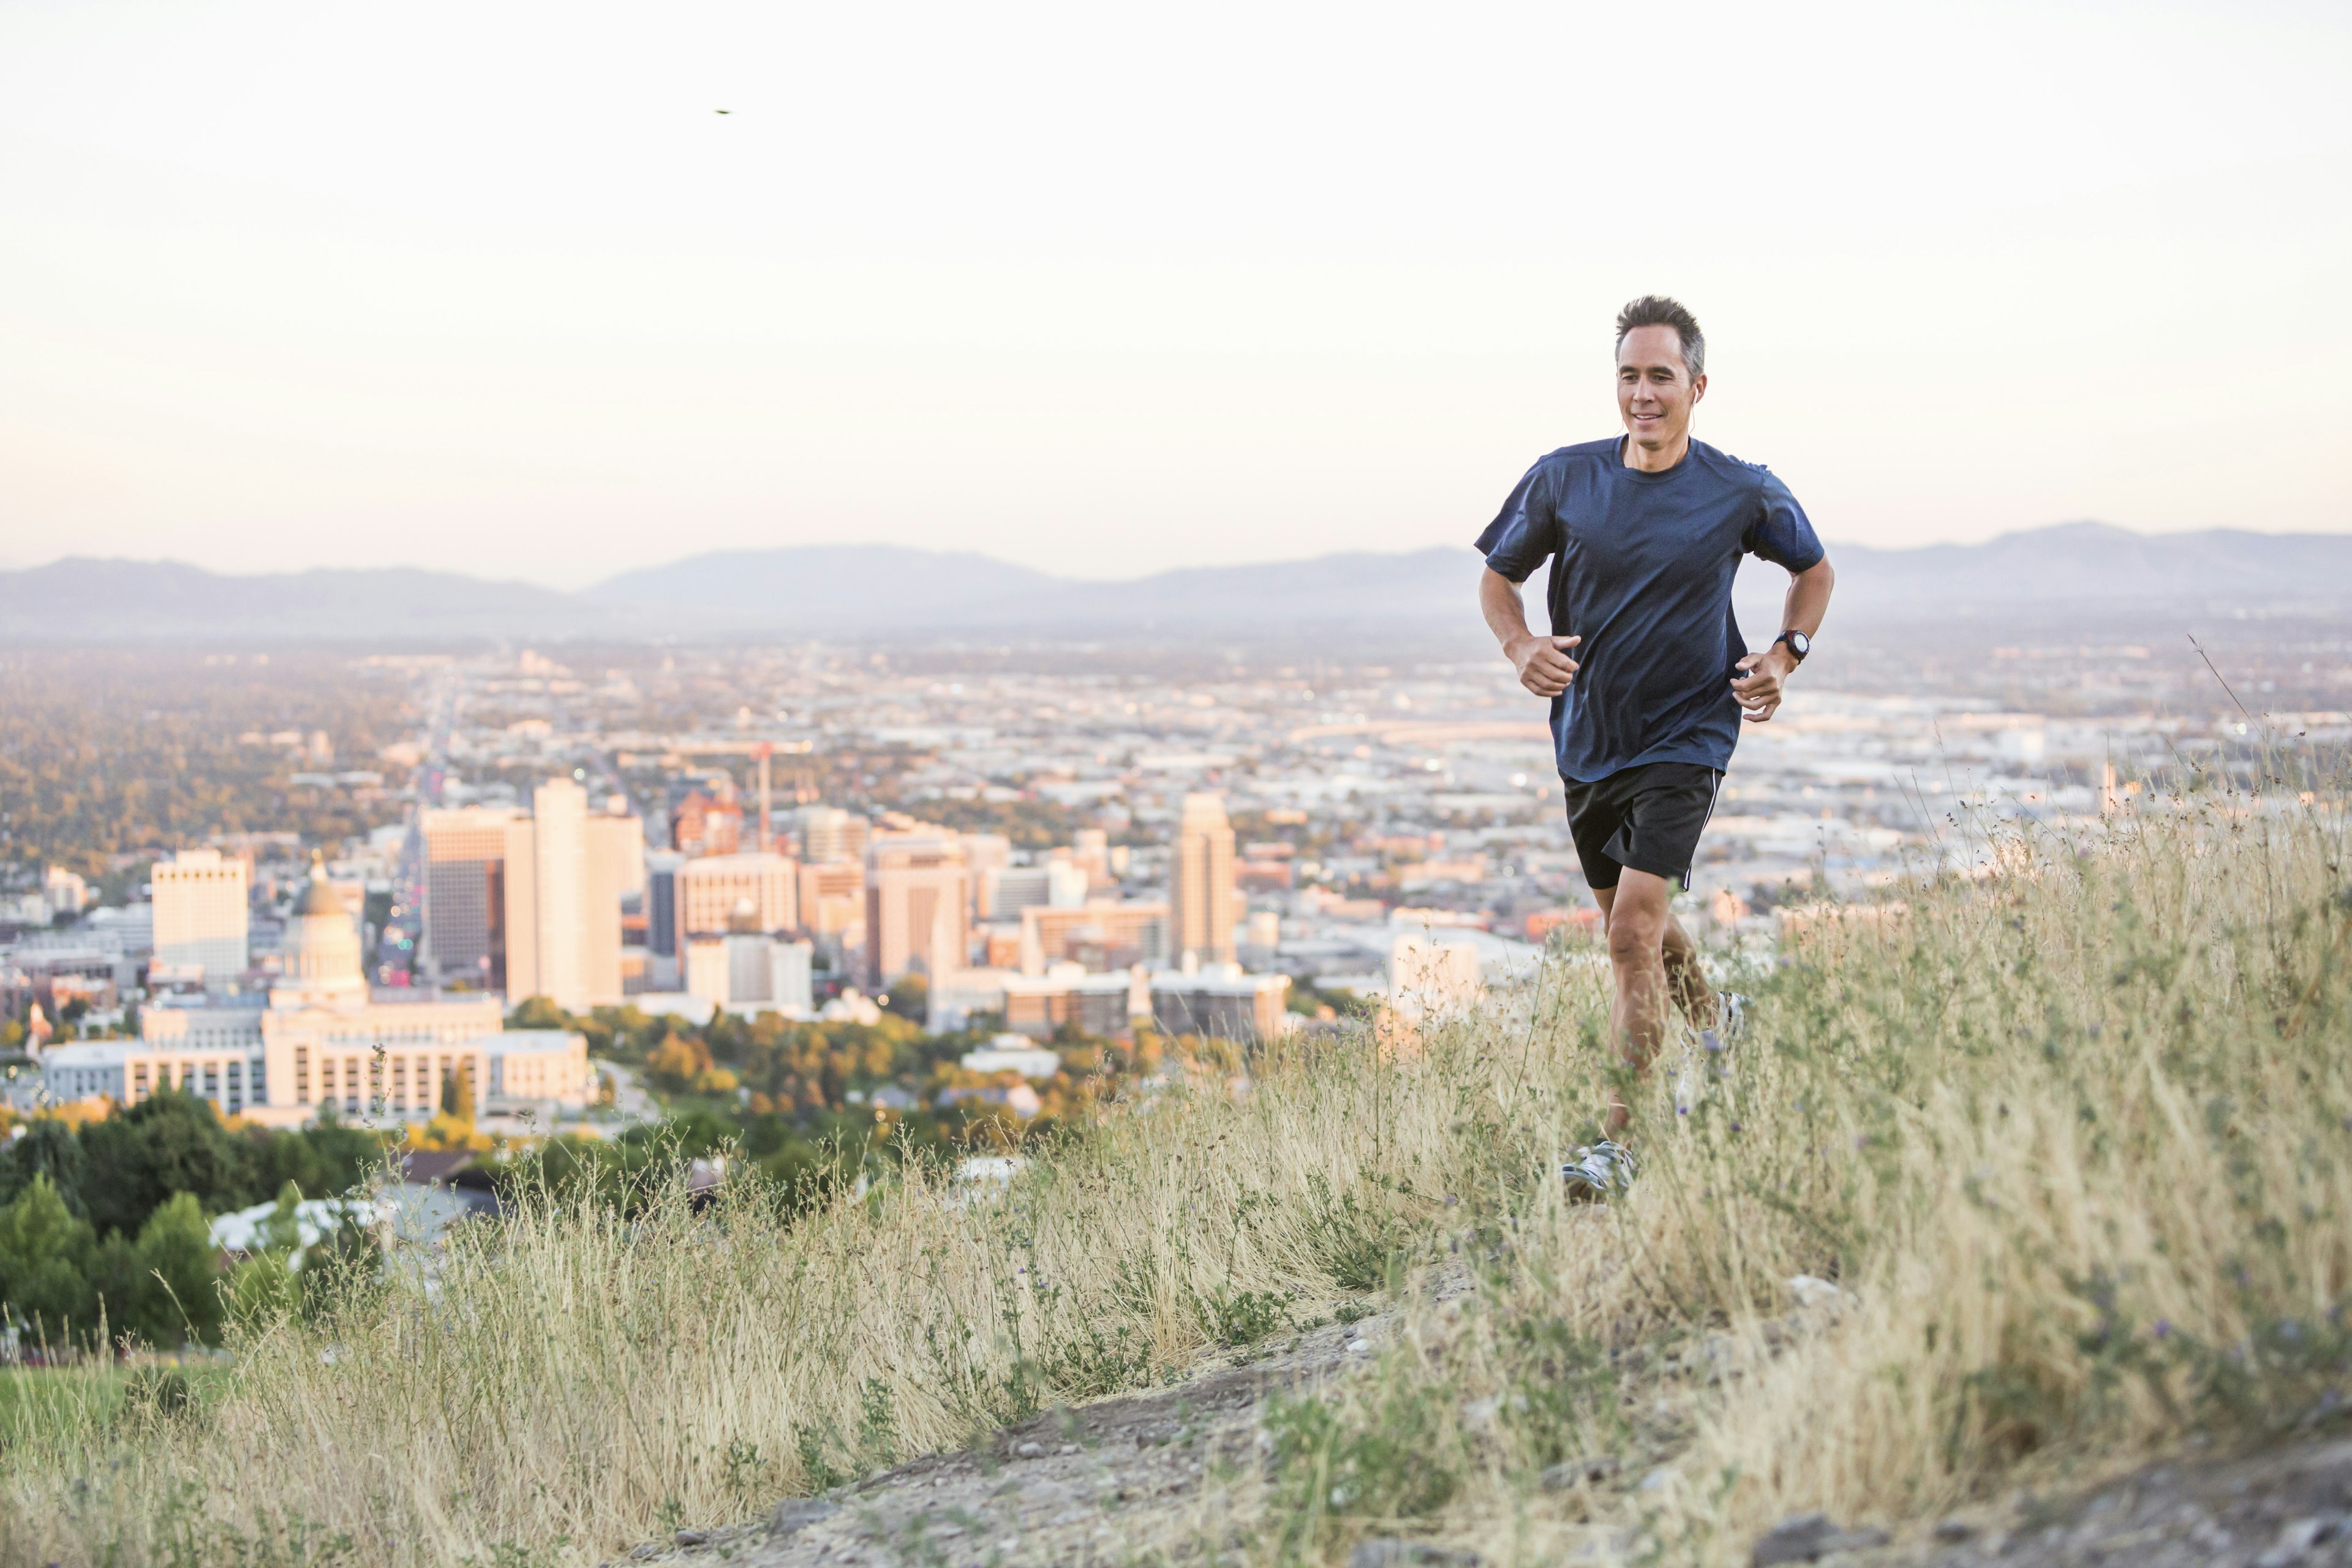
[[1111, 289]]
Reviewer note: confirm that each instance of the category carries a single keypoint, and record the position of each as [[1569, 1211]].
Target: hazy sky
[[1107, 289]]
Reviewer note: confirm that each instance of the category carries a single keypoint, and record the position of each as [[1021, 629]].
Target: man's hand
[[1759, 684], [1543, 663]]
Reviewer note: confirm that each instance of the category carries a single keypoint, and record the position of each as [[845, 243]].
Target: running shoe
[[1730, 1016], [1597, 1170]]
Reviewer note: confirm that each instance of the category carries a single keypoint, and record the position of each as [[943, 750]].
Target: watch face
[[1800, 644]]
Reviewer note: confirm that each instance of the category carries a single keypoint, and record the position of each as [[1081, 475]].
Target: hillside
[[2018, 1182], [860, 590], [79, 599]]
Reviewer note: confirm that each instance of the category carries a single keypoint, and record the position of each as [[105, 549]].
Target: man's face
[[1655, 389]]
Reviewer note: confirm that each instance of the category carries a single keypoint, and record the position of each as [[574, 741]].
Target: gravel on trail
[[1081, 1484]]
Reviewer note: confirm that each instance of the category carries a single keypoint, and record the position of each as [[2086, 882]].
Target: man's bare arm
[[1759, 686], [1542, 662]]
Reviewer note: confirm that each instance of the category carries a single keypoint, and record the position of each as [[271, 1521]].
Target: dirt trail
[[2284, 1508], [1121, 1479], [1085, 1484]]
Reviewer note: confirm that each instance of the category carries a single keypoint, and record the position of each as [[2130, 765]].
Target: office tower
[[710, 890], [1090, 852], [616, 849], [832, 897], [915, 906], [1204, 904], [662, 866], [465, 894], [829, 834], [200, 912], [564, 901], [1006, 890], [984, 855], [628, 844]]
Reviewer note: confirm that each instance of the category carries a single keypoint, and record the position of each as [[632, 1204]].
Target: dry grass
[[2072, 1142], [2075, 1145]]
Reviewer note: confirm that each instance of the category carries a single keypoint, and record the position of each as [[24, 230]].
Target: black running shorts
[[1647, 818]]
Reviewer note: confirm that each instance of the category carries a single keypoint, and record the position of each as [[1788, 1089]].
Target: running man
[[1647, 674]]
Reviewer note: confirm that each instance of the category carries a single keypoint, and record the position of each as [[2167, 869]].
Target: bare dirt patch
[[1080, 1484]]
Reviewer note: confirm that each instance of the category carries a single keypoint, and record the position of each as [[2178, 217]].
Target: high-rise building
[[466, 894], [1090, 852], [832, 900], [628, 845], [563, 873], [915, 908], [616, 851], [710, 889], [707, 822], [1006, 890], [985, 856], [662, 866], [1204, 905], [828, 833], [200, 913]]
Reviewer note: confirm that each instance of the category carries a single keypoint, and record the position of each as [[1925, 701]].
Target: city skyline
[[292, 288]]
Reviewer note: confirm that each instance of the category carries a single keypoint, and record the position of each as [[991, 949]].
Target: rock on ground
[[2284, 1508]]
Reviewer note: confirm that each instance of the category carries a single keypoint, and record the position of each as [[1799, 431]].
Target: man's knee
[[1636, 935], [1638, 920]]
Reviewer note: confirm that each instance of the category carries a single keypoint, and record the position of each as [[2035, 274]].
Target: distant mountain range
[[850, 590]]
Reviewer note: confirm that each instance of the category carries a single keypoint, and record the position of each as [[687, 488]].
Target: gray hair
[[1657, 311]]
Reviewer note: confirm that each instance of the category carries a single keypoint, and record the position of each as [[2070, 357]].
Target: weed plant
[[2043, 1169]]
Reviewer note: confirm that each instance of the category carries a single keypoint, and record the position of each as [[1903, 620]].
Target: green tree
[[458, 1097], [909, 996], [178, 1296], [171, 1143], [48, 1149], [324, 1161], [45, 1257], [538, 1013]]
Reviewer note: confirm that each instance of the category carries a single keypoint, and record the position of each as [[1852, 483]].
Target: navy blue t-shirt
[[1641, 566]]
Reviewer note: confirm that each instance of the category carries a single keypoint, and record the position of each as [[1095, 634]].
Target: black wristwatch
[[1798, 644]]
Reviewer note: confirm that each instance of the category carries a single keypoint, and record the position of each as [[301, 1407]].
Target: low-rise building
[[1013, 1053], [1106, 1006], [1221, 1002], [752, 971]]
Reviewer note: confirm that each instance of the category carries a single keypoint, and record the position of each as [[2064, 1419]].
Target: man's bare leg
[[1686, 979], [1637, 923]]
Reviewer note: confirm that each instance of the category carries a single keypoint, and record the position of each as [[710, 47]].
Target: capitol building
[[320, 1041]]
